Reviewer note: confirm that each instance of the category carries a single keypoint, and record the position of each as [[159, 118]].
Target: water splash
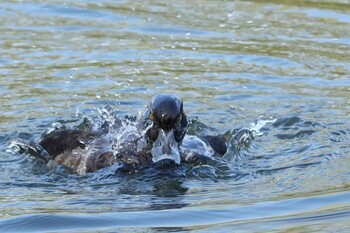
[[241, 139], [259, 124]]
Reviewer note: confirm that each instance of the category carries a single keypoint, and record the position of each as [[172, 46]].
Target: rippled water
[[234, 63]]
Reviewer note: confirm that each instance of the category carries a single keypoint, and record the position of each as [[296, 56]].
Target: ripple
[[269, 214]]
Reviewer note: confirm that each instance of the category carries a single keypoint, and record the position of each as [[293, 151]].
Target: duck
[[164, 126]]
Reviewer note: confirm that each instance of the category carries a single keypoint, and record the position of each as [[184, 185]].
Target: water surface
[[234, 63]]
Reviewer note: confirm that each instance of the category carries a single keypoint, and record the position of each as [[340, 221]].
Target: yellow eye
[[180, 117], [151, 116]]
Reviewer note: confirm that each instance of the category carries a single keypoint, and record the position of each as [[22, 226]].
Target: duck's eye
[[151, 117], [180, 117]]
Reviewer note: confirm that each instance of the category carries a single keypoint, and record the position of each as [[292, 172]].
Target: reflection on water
[[234, 64]]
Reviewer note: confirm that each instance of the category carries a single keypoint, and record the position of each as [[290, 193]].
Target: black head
[[169, 127], [166, 111]]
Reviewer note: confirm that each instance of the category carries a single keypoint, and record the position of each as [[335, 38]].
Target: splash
[[259, 124], [125, 135], [241, 139]]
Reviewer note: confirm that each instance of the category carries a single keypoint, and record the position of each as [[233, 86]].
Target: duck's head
[[169, 126]]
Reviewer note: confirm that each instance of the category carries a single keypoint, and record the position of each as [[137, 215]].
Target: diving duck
[[163, 127]]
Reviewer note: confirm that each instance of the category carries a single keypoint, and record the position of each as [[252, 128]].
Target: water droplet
[[230, 14]]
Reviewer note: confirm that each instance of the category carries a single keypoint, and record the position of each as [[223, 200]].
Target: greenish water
[[234, 63]]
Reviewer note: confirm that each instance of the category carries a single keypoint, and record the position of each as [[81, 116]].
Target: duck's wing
[[67, 140], [218, 143]]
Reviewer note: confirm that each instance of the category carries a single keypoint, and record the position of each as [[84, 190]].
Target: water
[[234, 64]]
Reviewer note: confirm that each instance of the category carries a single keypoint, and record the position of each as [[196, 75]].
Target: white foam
[[259, 124]]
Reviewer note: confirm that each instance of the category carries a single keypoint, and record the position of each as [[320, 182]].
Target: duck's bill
[[166, 149]]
